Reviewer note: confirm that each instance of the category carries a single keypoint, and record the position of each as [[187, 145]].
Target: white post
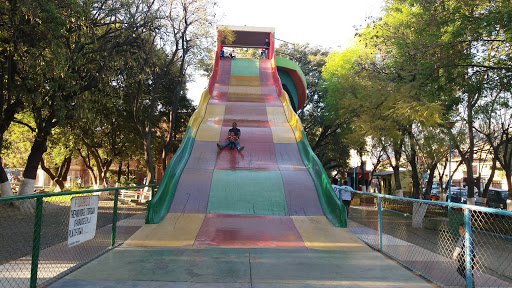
[[6, 189], [26, 186]]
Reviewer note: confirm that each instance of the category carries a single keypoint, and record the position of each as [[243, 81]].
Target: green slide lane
[[262, 193], [333, 209]]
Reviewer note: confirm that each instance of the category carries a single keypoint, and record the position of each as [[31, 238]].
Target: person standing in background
[[335, 187], [346, 195], [459, 254], [264, 52]]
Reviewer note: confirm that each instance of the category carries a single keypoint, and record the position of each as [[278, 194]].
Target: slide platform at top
[[277, 172]]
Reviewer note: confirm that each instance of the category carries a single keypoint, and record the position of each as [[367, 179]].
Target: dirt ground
[[17, 224]]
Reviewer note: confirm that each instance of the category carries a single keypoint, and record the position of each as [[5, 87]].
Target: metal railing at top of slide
[[244, 46], [47, 236], [425, 237]]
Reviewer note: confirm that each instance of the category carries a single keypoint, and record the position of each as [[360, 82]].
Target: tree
[[361, 102], [77, 48], [324, 129], [432, 144], [18, 140], [56, 162], [21, 43], [103, 131], [157, 95], [495, 125], [421, 63], [478, 61], [191, 23], [65, 61]]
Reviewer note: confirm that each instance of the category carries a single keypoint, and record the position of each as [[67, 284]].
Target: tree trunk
[[150, 168], [430, 181], [507, 166], [145, 127], [362, 179], [415, 179], [8, 110], [52, 176], [3, 174], [508, 174], [62, 173], [396, 170], [177, 93], [414, 168], [65, 171], [33, 160], [418, 213], [174, 115], [106, 169], [119, 172], [419, 209], [442, 190], [374, 169], [93, 177], [86, 159], [165, 152], [489, 181], [102, 165], [128, 171], [6, 189], [5, 185], [469, 157], [149, 158], [99, 167]]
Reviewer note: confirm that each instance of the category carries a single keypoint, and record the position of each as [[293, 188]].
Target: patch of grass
[[64, 198]]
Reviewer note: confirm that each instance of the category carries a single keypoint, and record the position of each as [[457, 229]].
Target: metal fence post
[[479, 252], [36, 240], [380, 222], [114, 219], [468, 247]]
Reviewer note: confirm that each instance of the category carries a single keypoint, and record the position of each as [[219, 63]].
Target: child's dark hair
[[462, 225]]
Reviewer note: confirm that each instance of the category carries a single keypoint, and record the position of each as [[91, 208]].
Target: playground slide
[[276, 174]]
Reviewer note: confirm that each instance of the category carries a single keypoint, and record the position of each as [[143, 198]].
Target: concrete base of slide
[[195, 230], [260, 268]]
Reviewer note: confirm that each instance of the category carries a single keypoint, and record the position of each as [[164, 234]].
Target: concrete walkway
[[174, 254], [260, 267]]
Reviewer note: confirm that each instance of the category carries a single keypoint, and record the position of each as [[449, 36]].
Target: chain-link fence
[[35, 232], [453, 245]]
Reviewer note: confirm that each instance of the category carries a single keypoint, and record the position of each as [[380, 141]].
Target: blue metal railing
[[484, 218]]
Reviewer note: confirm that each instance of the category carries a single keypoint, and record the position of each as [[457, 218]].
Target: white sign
[[83, 215]]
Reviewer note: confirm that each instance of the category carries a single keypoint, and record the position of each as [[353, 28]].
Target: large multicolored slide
[[256, 196]]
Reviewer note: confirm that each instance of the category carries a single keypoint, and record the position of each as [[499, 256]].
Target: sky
[[327, 23]]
